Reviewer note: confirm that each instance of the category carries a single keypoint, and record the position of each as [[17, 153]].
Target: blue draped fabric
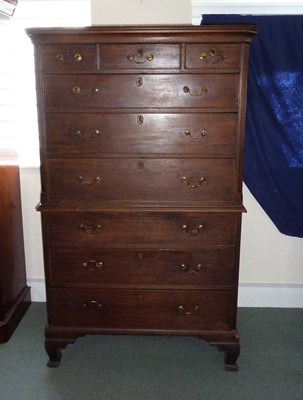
[[273, 168]]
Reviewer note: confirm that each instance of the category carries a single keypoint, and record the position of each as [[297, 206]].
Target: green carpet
[[161, 368]]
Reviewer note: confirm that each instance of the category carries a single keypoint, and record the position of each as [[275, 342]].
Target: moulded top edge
[[176, 30]]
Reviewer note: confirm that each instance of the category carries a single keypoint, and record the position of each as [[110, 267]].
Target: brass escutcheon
[[139, 82], [140, 119]]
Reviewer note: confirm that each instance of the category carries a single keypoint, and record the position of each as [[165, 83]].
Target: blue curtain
[[273, 169]]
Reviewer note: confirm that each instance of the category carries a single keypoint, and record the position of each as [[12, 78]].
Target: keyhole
[[139, 82]]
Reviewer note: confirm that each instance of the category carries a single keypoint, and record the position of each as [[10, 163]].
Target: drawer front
[[140, 91], [139, 56], [142, 309], [98, 134], [155, 229], [212, 55], [68, 58], [142, 180], [105, 267]]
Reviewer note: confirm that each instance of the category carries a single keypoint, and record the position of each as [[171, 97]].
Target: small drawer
[[80, 267], [206, 182], [213, 55], [84, 134], [140, 56], [142, 309], [154, 229], [69, 58], [208, 91]]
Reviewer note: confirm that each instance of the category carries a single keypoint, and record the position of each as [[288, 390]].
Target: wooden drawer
[[68, 58], [139, 56], [200, 181], [154, 229], [213, 55], [142, 309], [104, 267], [142, 91], [98, 134]]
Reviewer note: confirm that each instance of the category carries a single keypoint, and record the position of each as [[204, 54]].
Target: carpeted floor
[[160, 368]]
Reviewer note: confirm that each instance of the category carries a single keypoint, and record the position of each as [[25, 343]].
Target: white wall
[[271, 273], [134, 12]]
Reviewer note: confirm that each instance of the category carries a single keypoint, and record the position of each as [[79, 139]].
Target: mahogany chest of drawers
[[141, 133], [15, 296]]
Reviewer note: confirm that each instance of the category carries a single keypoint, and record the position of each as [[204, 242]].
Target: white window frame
[[18, 111]]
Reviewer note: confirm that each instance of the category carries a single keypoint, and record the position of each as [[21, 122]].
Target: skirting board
[[250, 295]]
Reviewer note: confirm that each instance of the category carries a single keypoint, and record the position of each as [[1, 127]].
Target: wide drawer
[[142, 309], [97, 134], [142, 180], [213, 55], [68, 57], [115, 267], [153, 229], [139, 56], [142, 91]]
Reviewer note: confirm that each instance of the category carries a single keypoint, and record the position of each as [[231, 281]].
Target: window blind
[[18, 114]]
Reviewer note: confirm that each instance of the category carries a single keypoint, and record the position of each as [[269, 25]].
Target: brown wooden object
[[141, 134], [14, 293]]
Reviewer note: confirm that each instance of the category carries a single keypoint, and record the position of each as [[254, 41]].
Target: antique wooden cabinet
[[141, 132], [15, 295]]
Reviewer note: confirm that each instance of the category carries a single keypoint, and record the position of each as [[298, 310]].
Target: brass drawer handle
[[68, 58], [140, 57], [193, 185], [192, 231], [92, 265], [187, 132], [191, 270], [79, 92], [92, 306], [183, 310], [92, 135], [214, 57], [91, 230], [82, 180], [204, 90]]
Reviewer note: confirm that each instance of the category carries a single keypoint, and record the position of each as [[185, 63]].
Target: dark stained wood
[[14, 292], [141, 133], [200, 182], [151, 228], [140, 90], [87, 267], [111, 133]]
